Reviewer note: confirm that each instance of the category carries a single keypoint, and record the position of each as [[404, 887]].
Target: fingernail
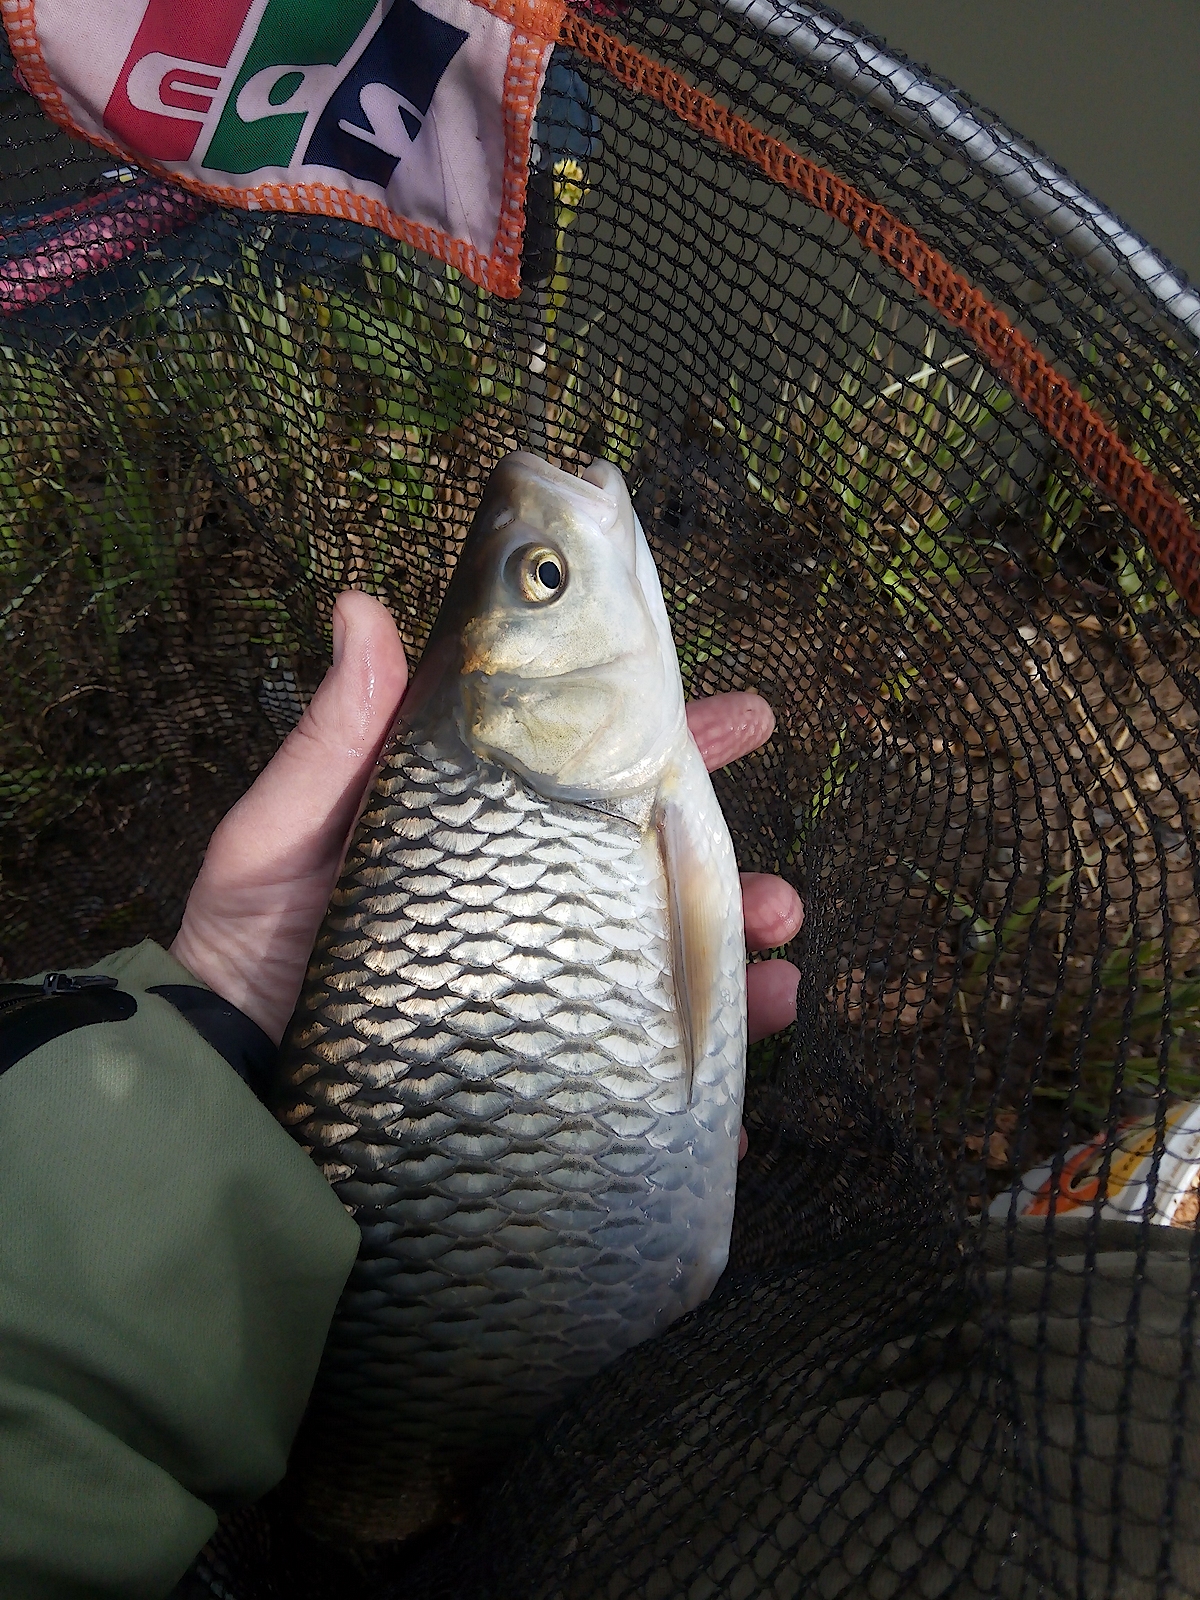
[[339, 635]]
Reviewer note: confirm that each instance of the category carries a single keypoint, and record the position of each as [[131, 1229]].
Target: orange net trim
[[1044, 393]]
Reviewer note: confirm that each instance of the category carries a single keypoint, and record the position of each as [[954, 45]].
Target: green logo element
[[291, 68]]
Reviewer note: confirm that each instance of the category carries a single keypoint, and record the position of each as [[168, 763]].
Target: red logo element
[[174, 70]]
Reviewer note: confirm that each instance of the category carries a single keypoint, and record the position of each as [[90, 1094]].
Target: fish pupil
[[549, 575]]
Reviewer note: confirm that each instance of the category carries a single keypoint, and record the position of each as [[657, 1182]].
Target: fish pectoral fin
[[698, 859]]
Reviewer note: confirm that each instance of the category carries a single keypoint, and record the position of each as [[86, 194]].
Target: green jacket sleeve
[[169, 1263]]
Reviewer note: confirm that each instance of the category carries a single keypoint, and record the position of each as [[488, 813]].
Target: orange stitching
[[535, 23], [1045, 394], [527, 59]]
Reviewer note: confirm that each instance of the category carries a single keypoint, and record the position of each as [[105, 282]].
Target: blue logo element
[[378, 109]]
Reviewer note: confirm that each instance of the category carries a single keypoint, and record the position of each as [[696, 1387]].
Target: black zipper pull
[[28, 1020], [63, 983]]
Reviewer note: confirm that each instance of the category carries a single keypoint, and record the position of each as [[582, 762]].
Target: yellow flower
[[569, 190]]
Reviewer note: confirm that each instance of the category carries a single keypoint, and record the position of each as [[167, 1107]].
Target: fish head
[[568, 671]]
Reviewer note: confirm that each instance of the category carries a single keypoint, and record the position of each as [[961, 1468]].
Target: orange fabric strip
[[1048, 397]]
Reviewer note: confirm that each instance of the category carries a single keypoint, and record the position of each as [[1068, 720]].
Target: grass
[[77, 486], [901, 487], [1139, 1000], [1157, 407], [905, 463], [325, 410], [309, 398], [575, 406], [1103, 1005]]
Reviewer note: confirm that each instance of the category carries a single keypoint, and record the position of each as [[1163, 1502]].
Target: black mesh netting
[[985, 779]]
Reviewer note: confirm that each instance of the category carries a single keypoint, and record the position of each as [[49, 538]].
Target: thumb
[[270, 867], [298, 812]]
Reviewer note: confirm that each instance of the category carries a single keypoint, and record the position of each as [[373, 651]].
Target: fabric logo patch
[[412, 116]]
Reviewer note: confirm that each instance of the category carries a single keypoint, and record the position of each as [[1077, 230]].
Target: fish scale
[[502, 1103]]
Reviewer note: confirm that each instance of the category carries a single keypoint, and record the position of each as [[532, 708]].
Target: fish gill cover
[[778, 276]]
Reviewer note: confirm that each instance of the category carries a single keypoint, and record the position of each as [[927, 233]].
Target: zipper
[[63, 983], [32, 1014], [16, 996]]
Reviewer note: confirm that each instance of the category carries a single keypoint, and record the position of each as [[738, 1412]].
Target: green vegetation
[[304, 400], [1141, 1000], [77, 489], [1135, 998], [306, 397], [1159, 410], [563, 373], [316, 410], [904, 463]]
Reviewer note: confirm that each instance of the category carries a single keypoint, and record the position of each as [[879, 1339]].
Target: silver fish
[[520, 1048]]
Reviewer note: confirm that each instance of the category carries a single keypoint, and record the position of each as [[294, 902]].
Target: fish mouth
[[477, 675], [487, 696], [521, 475]]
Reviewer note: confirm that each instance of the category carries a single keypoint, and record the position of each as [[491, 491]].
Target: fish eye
[[540, 573]]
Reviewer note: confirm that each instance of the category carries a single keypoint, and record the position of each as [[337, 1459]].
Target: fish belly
[[487, 1061]]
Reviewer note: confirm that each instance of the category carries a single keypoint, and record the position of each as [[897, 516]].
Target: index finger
[[727, 726]]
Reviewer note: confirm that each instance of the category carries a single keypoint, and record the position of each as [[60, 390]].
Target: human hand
[[272, 863], [252, 915]]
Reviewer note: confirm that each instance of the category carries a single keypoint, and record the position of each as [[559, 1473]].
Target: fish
[[519, 1051]]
